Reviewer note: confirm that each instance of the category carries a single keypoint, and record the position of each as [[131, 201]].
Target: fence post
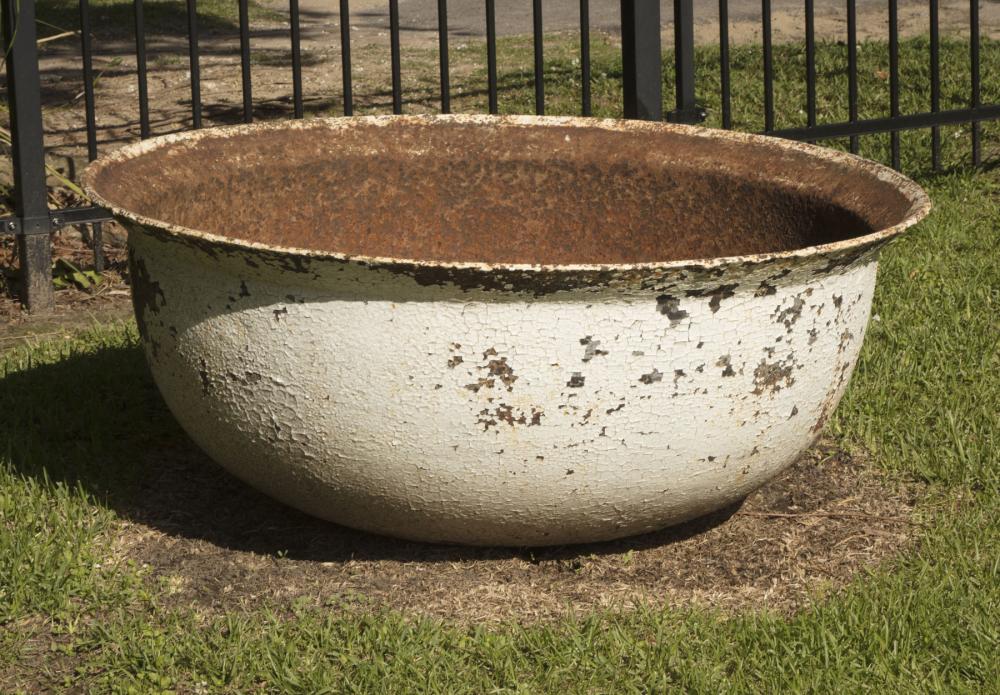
[[687, 110], [32, 226], [642, 71]]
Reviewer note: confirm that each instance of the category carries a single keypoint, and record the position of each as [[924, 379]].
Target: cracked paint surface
[[442, 414], [450, 410]]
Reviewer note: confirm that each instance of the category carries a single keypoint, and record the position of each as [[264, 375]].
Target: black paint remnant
[[725, 362], [670, 307], [653, 377], [206, 381], [765, 289], [789, 315], [717, 294], [590, 348]]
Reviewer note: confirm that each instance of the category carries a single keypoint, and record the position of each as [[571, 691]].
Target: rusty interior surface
[[503, 194]]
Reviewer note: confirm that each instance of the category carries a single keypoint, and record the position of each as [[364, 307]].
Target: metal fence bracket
[[56, 219]]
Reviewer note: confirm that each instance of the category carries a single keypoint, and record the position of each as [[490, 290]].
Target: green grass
[[563, 86], [76, 415]]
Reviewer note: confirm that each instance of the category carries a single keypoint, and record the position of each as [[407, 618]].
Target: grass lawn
[[78, 414]]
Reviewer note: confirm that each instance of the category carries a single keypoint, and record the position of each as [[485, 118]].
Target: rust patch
[[845, 339], [510, 415], [523, 209], [501, 370], [824, 413], [496, 367], [773, 376], [484, 382]]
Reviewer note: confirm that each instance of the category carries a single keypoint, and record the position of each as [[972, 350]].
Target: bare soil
[[216, 544], [74, 308]]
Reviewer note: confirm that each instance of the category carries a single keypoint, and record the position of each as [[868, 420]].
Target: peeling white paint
[[446, 415]]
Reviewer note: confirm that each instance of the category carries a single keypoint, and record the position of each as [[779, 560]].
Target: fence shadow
[[117, 19], [95, 420]]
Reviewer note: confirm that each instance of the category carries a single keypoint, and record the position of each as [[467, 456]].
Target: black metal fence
[[33, 221]]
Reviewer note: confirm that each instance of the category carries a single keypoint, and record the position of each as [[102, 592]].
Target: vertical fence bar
[[935, 83], [397, 79], [245, 60], [87, 54], [491, 55], [810, 63], [443, 56], [765, 13], [345, 56], [140, 61], [97, 241], [194, 62], [293, 17], [585, 107], [536, 30], [641, 60], [687, 110], [34, 247], [894, 77], [727, 107], [852, 68], [974, 64]]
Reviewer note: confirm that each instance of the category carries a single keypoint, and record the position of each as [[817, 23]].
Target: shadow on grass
[[115, 19], [96, 420]]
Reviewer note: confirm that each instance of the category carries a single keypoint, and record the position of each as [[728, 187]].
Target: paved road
[[418, 18]]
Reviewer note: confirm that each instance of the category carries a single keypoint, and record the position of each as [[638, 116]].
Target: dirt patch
[[215, 544], [75, 308]]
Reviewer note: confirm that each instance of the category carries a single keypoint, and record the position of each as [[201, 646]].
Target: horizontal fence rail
[[642, 89]]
